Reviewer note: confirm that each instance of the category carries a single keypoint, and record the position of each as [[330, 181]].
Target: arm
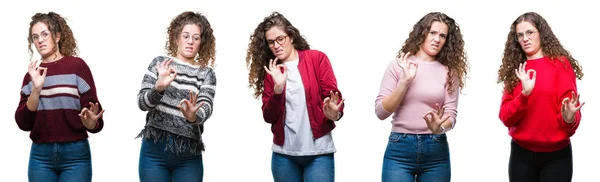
[[328, 82], [149, 96], [87, 94], [206, 96], [451, 105], [273, 104], [26, 111], [513, 108], [569, 86], [391, 92]]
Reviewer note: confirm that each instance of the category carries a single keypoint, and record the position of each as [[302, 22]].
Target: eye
[[45, 34], [196, 37], [185, 36], [443, 36], [279, 39]]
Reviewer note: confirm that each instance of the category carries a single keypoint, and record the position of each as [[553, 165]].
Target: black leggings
[[528, 166]]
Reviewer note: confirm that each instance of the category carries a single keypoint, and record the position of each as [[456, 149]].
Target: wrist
[[278, 89], [526, 93]]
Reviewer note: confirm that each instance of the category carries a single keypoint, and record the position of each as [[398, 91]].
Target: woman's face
[[42, 38], [279, 43]]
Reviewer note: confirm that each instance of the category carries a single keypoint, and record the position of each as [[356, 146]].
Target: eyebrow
[[189, 33], [41, 32], [275, 37]]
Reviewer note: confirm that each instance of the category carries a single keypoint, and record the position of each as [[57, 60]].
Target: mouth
[[435, 46], [189, 48]]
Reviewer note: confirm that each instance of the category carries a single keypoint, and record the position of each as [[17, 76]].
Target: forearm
[[391, 102], [33, 100]]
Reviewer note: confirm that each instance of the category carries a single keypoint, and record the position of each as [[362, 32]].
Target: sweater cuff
[[523, 100], [154, 96]]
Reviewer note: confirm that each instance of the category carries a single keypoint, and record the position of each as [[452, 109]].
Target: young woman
[[300, 100], [420, 88], [543, 112], [58, 104], [178, 91]]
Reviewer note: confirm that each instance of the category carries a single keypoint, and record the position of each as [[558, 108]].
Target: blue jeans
[[416, 157], [64, 161], [158, 165], [318, 168]]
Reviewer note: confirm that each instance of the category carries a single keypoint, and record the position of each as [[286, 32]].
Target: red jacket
[[535, 121], [318, 80]]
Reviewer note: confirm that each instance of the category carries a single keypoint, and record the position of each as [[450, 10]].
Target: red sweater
[[68, 88], [318, 80], [535, 121]]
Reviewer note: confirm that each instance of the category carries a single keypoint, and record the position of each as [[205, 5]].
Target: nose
[[276, 45], [436, 38]]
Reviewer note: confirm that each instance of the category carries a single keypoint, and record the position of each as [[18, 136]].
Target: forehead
[[274, 32], [191, 28], [524, 26], [439, 27], [38, 27]]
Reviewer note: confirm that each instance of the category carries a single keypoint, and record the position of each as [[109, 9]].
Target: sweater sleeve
[[327, 80], [149, 97], [513, 108], [206, 95], [451, 101], [388, 85], [87, 92], [272, 104], [24, 117], [568, 86]]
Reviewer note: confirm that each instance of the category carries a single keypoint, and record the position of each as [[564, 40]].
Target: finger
[[445, 119], [326, 101], [82, 111], [267, 70], [534, 76], [168, 62], [564, 104], [189, 105], [438, 109], [180, 106], [174, 75], [428, 117], [573, 98], [199, 106], [406, 56], [579, 107], [340, 103], [517, 73], [100, 114], [443, 110]]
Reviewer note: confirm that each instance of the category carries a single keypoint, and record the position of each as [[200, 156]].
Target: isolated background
[[118, 39]]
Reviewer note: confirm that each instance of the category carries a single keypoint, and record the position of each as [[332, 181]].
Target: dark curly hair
[[206, 53], [514, 54], [58, 27], [259, 54], [452, 54]]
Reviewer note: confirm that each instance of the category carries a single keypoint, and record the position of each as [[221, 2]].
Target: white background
[[118, 39]]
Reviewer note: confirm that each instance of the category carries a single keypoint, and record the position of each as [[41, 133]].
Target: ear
[[291, 40], [57, 39]]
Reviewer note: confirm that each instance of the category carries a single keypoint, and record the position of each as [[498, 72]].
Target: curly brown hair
[[259, 54], [207, 52], [58, 27], [452, 55], [514, 54]]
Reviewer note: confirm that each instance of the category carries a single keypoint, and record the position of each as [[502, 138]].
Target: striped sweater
[[164, 121], [68, 88]]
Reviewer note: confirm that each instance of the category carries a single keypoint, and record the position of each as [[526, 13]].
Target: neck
[[537, 55], [187, 60], [421, 55], [53, 57], [291, 57]]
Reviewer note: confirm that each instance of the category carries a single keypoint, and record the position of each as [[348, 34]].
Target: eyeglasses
[[195, 37], [280, 40], [44, 35], [529, 33]]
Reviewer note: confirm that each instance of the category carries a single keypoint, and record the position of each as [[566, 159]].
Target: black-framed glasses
[[529, 33], [280, 40], [44, 35]]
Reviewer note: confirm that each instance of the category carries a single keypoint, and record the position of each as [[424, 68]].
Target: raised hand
[[89, 117], [569, 107], [434, 119], [166, 75], [189, 107], [36, 77], [409, 67], [527, 82], [331, 106], [278, 77]]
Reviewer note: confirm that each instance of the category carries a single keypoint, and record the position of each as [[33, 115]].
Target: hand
[[569, 107], [36, 77], [434, 119], [409, 67], [164, 75], [190, 108], [527, 82], [89, 117], [331, 106], [278, 77]]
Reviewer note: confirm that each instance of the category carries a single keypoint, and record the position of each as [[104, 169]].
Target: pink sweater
[[427, 89]]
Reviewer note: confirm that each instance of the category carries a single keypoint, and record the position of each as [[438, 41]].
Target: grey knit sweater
[[164, 120]]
